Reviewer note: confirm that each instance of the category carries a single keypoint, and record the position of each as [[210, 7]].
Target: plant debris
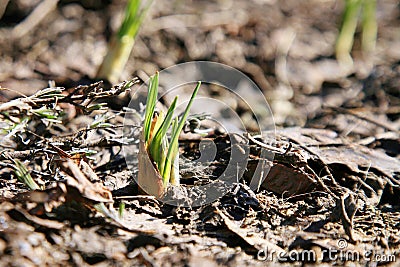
[[68, 197]]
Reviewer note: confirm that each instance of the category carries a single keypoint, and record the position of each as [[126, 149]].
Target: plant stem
[[150, 105], [346, 36], [24, 176], [370, 27], [174, 179], [122, 43], [121, 210], [116, 58], [158, 143]]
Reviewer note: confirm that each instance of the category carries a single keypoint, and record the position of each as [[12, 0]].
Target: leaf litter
[[328, 188], [325, 185]]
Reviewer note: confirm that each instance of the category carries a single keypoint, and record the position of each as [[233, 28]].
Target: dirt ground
[[331, 197]]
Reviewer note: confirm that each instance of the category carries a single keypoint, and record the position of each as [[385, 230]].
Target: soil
[[332, 190]]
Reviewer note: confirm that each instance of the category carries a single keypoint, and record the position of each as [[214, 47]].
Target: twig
[[21, 154], [104, 142], [266, 146], [85, 130], [37, 15], [326, 167], [140, 197], [321, 182], [377, 123], [90, 92]]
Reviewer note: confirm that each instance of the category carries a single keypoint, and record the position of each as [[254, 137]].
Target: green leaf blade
[[150, 104], [156, 146], [175, 135]]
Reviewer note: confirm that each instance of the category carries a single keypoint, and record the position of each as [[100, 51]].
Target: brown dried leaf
[[358, 157], [93, 191], [289, 181], [333, 150], [149, 179]]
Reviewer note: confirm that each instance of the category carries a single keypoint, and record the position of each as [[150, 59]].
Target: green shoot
[[133, 19], [370, 26], [45, 113], [159, 143], [351, 14], [346, 37], [174, 138], [122, 43], [99, 106], [174, 179], [100, 121], [164, 152], [121, 209], [150, 105], [16, 127], [24, 176], [49, 92]]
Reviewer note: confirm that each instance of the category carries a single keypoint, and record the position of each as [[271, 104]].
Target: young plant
[[24, 176], [351, 14], [122, 43], [158, 154]]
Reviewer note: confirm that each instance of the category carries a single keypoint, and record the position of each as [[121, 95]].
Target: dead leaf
[[358, 158], [149, 179], [93, 191], [286, 180], [257, 242]]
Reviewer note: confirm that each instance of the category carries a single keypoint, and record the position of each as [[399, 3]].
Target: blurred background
[[286, 47]]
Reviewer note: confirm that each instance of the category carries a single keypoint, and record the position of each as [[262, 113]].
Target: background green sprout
[[352, 11], [122, 43]]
